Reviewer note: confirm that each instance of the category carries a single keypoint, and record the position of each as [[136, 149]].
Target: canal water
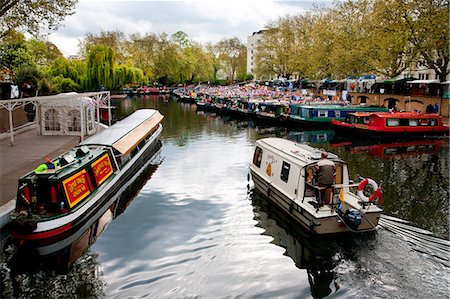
[[187, 225]]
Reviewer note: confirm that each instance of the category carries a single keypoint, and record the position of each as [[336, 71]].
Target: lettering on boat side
[[76, 187], [102, 169]]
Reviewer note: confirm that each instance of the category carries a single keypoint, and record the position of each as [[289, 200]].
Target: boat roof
[[407, 114], [299, 151], [125, 134]]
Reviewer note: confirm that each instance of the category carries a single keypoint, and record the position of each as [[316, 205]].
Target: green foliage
[[100, 63], [44, 87], [33, 15], [61, 84], [232, 55], [28, 74], [14, 52], [67, 69], [43, 52]]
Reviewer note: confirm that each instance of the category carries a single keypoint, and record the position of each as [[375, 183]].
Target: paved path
[[29, 150]]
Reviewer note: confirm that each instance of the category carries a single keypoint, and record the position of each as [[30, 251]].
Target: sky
[[202, 20]]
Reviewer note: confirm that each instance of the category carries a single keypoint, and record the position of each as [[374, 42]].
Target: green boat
[[323, 114]]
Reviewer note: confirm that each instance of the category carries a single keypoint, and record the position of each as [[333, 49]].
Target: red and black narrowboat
[[62, 194]]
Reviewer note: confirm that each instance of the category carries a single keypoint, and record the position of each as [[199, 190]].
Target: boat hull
[[330, 224], [47, 231], [343, 129]]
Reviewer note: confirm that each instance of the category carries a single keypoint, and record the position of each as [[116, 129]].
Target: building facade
[[252, 45]]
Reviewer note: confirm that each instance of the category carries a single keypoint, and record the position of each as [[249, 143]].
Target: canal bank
[[29, 150]]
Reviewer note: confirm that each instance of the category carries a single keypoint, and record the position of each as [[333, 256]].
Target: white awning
[[424, 81]]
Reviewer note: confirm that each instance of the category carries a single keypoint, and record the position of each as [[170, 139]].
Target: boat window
[[285, 171], [322, 113], [392, 122], [424, 122], [257, 157], [366, 120], [337, 113], [404, 122], [413, 122], [433, 122]]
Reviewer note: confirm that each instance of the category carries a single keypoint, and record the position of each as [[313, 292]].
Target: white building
[[420, 71], [252, 45]]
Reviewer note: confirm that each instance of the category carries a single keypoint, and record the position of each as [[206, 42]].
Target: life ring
[[377, 193]]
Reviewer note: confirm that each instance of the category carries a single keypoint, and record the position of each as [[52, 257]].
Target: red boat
[[401, 124]]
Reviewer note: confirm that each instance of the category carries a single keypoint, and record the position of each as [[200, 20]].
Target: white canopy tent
[[64, 114]]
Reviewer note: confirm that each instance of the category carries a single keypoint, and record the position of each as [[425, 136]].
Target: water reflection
[[67, 266], [317, 254]]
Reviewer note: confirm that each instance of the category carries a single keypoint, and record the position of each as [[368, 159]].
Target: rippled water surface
[[190, 228]]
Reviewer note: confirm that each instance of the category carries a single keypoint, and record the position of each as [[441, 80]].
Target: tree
[[230, 49], [67, 69], [43, 52], [277, 53], [14, 52], [100, 63], [32, 16], [428, 26], [112, 39], [390, 51], [213, 52], [182, 39], [142, 50]]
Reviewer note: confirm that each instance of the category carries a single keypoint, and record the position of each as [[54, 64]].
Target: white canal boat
[[282, 170]]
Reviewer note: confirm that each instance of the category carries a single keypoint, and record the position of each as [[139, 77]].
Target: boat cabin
[[326, 112], [289, 167], [61, 185]]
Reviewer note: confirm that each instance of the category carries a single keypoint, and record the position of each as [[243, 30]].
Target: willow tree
[[112, 39], [124, 74], [65, 68], [277, 52], [100, 63]]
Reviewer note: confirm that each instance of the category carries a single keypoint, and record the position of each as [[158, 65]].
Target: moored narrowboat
[[61, 194], [282, 171], [323, 114], [395, 124]]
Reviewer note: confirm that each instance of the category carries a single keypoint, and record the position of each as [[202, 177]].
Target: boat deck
[[29, 150]]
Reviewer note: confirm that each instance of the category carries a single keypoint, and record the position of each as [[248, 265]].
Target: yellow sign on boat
[[76, 187], [269, 169], [102, 169]]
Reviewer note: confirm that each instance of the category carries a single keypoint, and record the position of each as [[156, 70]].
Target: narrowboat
[[272, 110], [60, 195], [282, 171], [396, 124], [324, 114]]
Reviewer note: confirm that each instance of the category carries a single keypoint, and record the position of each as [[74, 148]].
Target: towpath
[[29, 150]]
